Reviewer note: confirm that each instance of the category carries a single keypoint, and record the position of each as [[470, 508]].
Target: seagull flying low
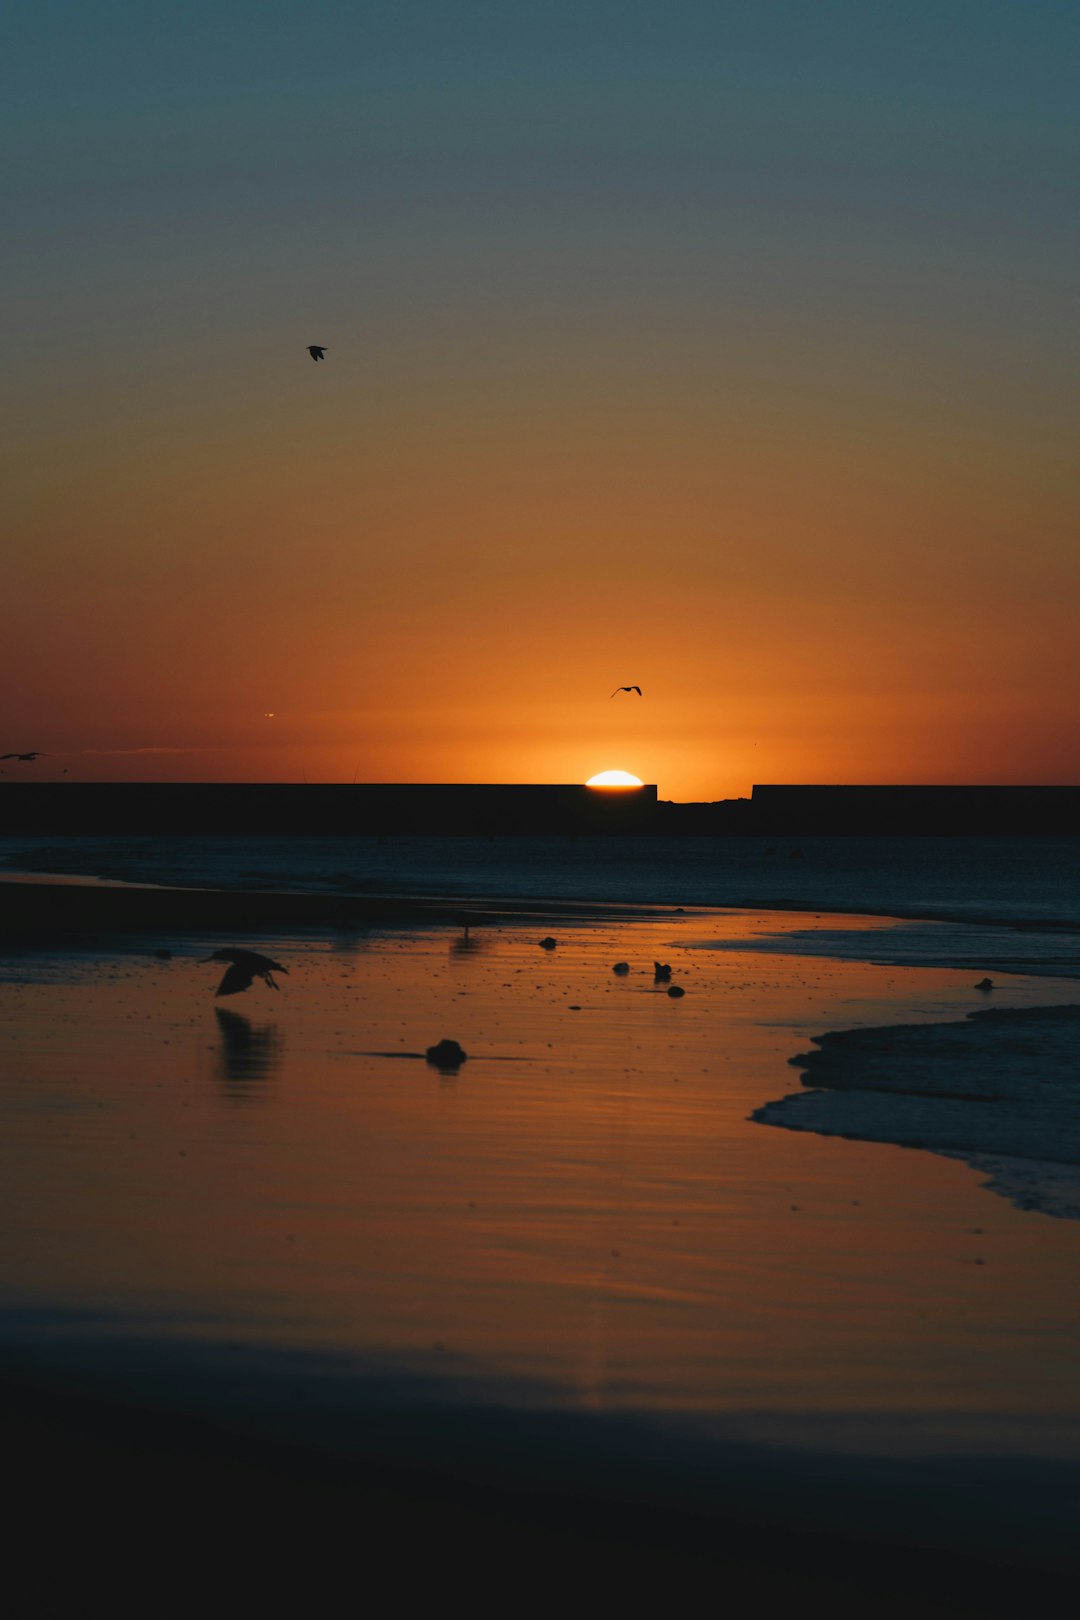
[[317, 351], [246, 966], [36, 753], [619, 689]]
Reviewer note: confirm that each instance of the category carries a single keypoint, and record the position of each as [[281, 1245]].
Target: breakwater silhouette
[[320, 809], [427, 809]]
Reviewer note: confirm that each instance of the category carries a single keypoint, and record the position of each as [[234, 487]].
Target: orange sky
[[766, 408], [424, 602]]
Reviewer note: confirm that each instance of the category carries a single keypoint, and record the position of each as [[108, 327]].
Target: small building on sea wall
[[896, 811]]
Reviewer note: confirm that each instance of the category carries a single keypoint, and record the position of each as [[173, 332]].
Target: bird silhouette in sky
[[317, 351], [246, 966], [619, 689], [36, 753]]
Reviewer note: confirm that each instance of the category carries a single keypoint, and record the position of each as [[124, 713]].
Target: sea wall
[[196, 808], [897, 811], [774, 810]]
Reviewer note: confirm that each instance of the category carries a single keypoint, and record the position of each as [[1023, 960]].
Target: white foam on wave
[[1000, 1090], [974, 947], [1019, 882]]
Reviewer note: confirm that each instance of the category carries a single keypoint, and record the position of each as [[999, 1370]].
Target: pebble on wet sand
[[676, 990], [446, 1055]]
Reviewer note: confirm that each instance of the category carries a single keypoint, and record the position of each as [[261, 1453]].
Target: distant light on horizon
[[614, 779]]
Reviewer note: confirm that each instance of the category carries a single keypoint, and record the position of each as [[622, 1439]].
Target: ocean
[[1018, 882], [998, 904]]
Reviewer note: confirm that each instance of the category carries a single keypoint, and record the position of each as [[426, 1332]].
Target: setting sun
[[614, 779]]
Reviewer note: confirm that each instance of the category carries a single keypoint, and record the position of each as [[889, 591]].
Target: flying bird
[[619, 689], [317, 351], [36, 753], [246, 966]]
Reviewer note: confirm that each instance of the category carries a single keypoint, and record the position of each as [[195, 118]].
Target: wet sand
[[43, 907], [574, 1271]]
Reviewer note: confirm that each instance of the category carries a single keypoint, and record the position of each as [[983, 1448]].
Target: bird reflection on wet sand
[[249, 1055]]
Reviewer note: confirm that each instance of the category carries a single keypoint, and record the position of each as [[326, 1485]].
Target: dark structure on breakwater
[[178, 809], [898, 811]]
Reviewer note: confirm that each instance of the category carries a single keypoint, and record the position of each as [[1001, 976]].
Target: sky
[[727, 349]]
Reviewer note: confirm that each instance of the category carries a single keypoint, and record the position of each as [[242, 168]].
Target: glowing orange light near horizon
[[614, 779]]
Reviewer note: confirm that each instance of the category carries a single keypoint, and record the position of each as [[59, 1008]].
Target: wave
[[1024, 884], [1000, 1090]]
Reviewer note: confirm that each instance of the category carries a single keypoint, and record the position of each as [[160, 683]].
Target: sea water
[[1014, 881], [1008, 905]]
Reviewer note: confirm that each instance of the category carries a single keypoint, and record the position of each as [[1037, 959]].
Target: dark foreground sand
[[133, 1504]]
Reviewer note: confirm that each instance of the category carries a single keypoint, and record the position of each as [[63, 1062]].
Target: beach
[[539, 809], [574, 1276]]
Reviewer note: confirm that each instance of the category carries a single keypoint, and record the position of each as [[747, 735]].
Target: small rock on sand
[[621, 967], [446, 1055], [676, 990], [547, 943]]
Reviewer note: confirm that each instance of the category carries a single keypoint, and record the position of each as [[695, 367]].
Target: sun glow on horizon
[[614, 779]]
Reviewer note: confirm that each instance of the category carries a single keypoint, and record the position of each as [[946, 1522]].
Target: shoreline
[[996, 1090], [44, 903]]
